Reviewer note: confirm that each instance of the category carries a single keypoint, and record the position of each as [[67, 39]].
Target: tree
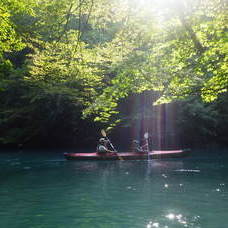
[[90, 56], [186, 55]]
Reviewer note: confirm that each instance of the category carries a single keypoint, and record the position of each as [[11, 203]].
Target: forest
[[69, 68]]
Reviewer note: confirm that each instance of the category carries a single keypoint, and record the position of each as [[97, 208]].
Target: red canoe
[[155, 154]]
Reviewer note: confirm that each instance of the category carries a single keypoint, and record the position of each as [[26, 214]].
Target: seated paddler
[[102, 147], [137, 147]]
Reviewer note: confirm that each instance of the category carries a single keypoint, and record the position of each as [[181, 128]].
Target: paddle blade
[[103, 133], [121, 159]]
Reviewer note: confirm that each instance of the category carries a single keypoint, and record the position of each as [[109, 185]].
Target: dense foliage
[[69, 67]]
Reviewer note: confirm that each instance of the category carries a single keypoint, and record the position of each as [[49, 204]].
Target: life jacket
[[98, 149]]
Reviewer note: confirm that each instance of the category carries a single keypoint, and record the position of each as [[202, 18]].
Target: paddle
[[105, 135], [146, 136]]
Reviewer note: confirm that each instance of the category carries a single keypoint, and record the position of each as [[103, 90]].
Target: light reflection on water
[[46, 192], [177, 220]]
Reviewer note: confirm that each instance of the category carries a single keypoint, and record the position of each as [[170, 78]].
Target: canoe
[[155, 154]]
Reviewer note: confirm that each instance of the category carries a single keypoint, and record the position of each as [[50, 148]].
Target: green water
[[45, 191]]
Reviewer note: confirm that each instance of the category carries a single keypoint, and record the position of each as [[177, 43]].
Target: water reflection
[[158, 193], [140, 176], [172, 220], [151, 224], [188, 170]]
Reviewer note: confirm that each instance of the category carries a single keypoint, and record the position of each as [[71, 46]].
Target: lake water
[[45, 191]]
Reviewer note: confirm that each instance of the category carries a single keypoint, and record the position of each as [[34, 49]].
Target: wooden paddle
[[103, 133]]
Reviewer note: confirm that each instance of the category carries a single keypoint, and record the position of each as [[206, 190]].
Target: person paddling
[[102, 147], [137, 147]]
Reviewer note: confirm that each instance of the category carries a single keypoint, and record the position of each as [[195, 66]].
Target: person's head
[[102, 141]]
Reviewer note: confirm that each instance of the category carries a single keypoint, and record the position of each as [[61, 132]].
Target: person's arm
[[104, 149], [110, 151], [107, 150]]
